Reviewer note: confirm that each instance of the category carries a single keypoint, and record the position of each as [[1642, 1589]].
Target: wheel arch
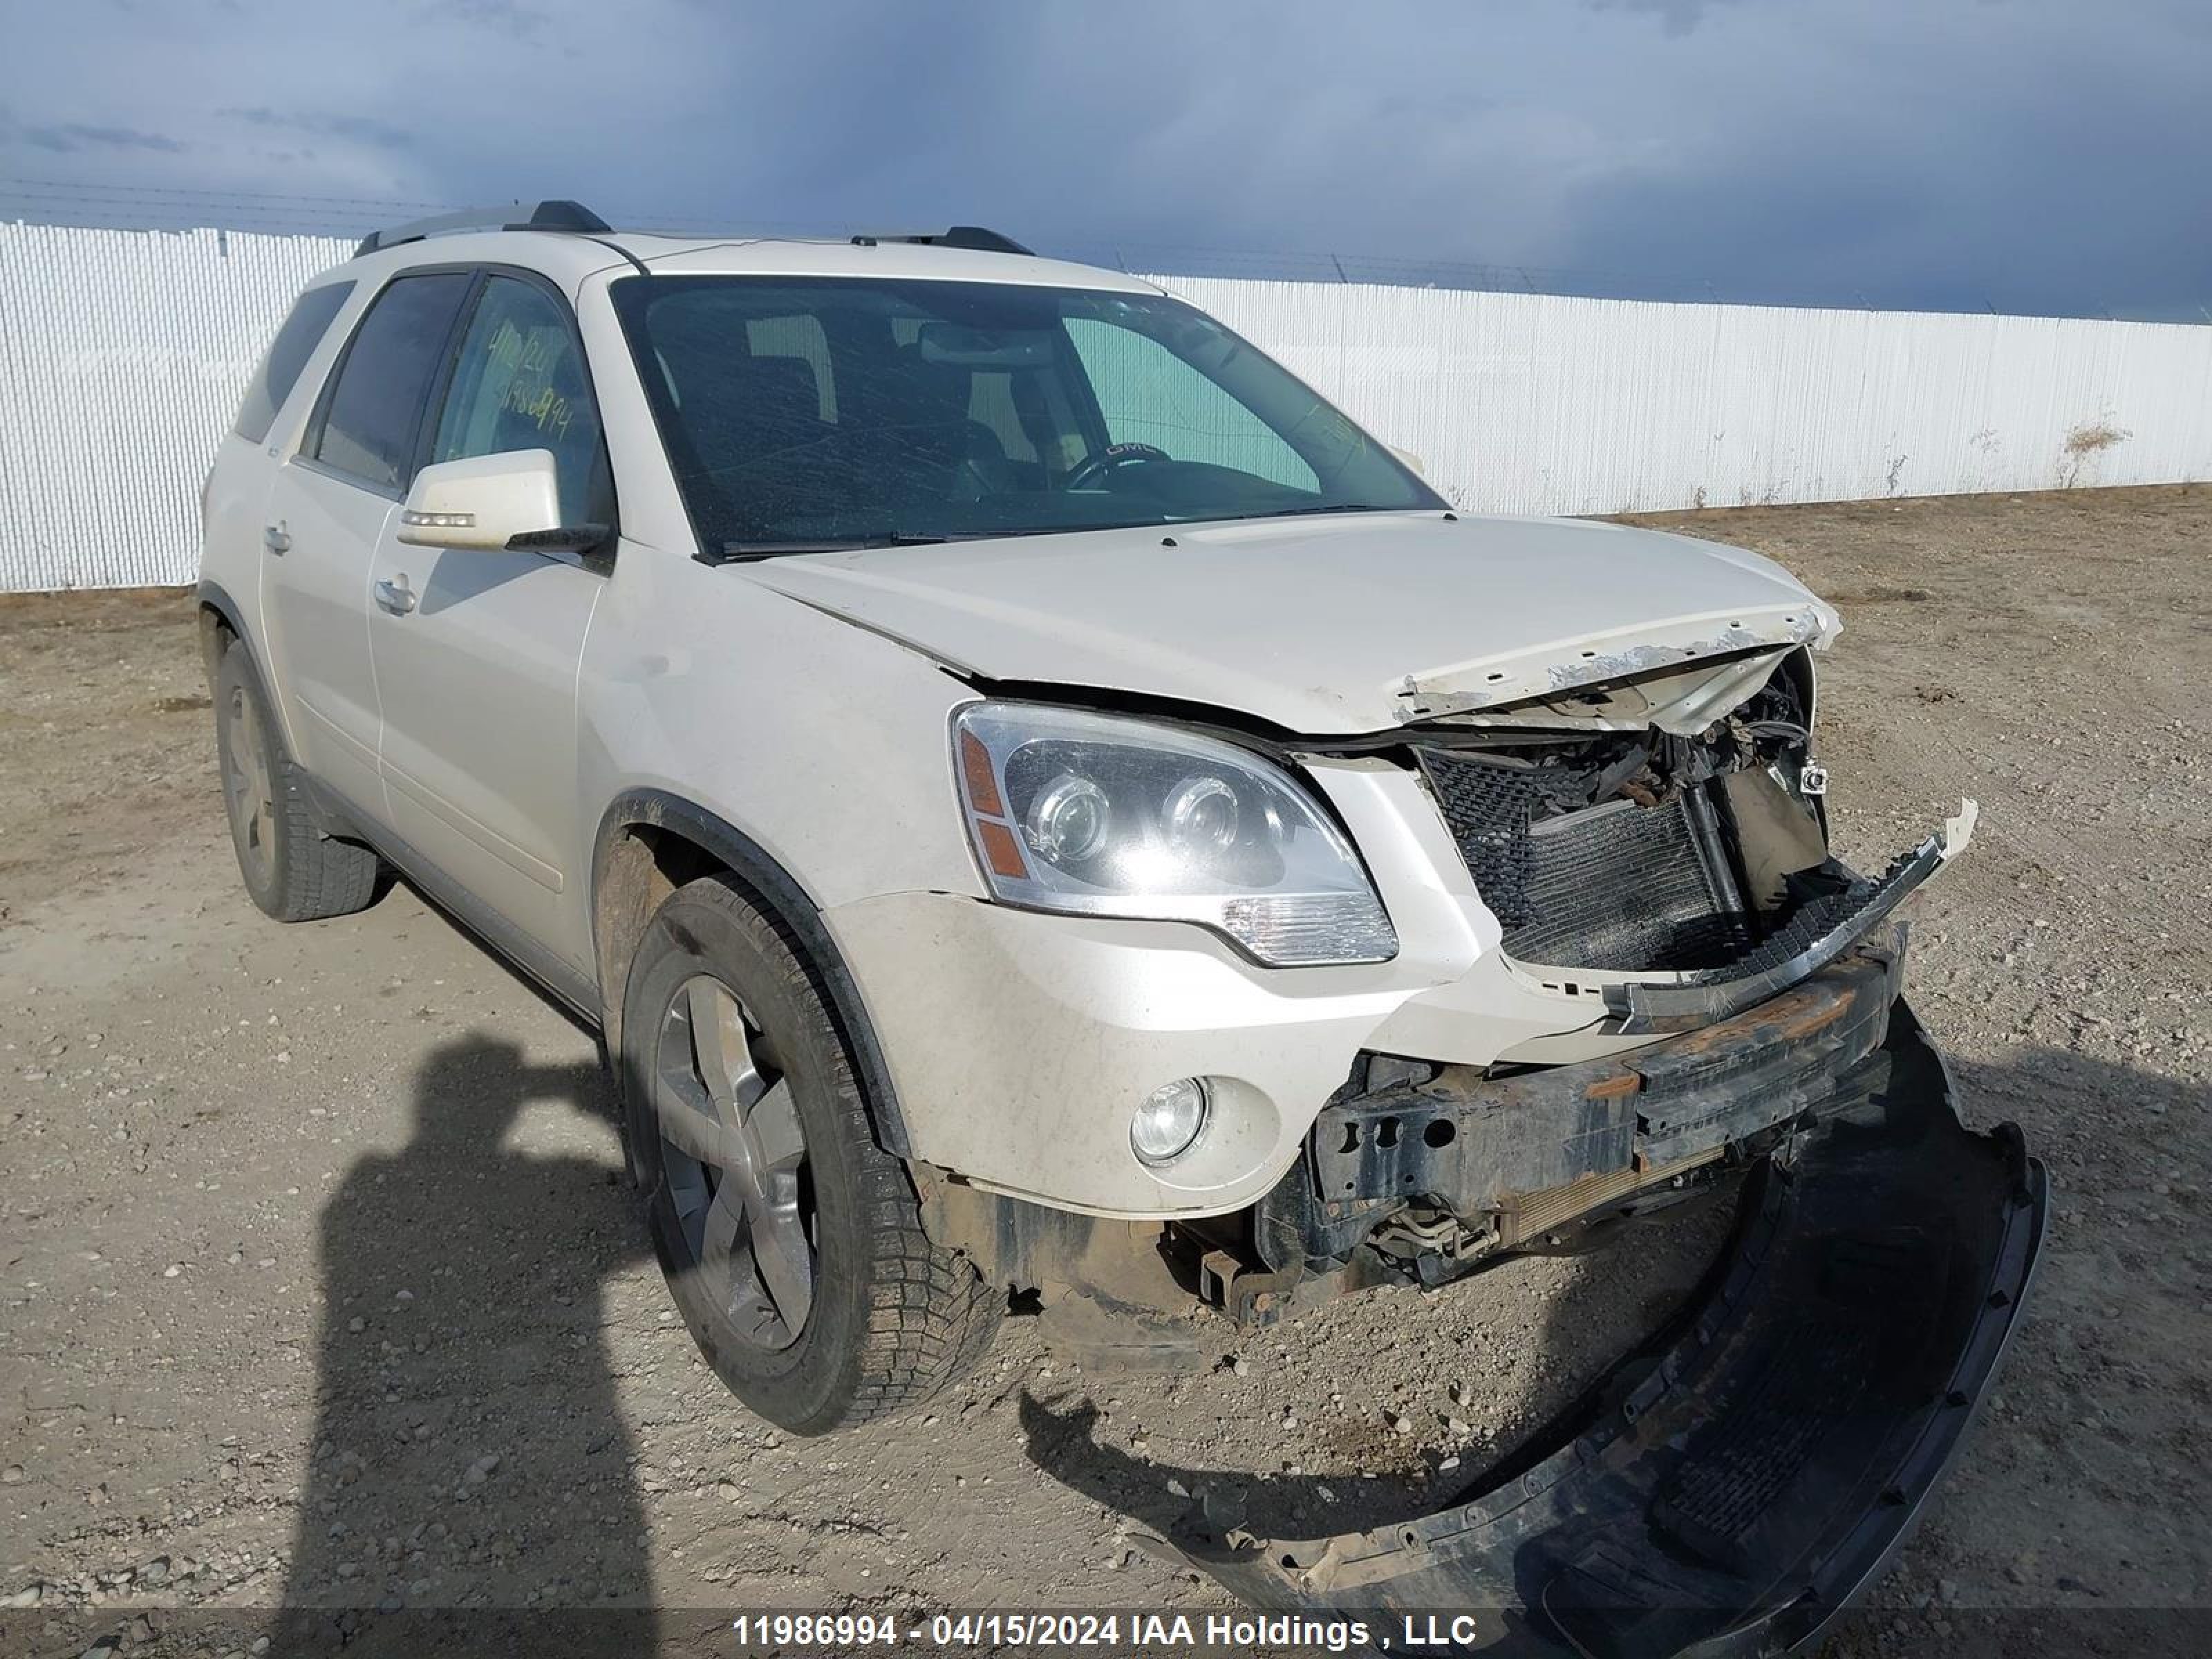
[[649, 843], [219, 615]]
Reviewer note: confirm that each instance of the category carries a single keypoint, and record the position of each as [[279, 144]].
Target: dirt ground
[[320, 1285]]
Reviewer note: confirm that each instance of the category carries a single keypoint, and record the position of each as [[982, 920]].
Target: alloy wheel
[[248, 789], [735, 1158]]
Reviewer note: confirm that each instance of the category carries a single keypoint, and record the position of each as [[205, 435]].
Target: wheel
[[792, 1243], [292, 869]]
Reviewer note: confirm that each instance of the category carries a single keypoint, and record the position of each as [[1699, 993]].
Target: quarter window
[[286, 356], [375, 409], [519, 383]]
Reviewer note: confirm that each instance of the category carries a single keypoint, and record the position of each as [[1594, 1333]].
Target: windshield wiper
[[746, 552], [1341, 507]]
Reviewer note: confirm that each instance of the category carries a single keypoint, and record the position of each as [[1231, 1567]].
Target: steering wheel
[[1092, 468]]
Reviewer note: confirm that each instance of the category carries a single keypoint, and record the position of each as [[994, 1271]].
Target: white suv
[[1040, 804]]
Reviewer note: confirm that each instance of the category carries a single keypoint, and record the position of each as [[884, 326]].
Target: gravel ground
[[320, 1286]]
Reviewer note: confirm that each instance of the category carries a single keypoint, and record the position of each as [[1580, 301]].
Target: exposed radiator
[[1615, 886]]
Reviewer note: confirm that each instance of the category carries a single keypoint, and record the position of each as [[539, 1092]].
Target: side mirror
[[487, 501], [1410, 461]]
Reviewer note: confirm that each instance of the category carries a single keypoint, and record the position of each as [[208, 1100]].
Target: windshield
[[798, 413]]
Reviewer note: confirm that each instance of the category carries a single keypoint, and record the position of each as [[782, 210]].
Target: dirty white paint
[[123, 356]]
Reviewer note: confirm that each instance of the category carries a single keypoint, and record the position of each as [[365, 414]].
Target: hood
[[1328, 626]]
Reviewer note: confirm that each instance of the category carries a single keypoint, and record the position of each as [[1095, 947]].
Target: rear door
[[329, 505], [476, 651]]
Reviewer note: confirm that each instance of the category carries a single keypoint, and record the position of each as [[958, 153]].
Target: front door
[[476, 653]]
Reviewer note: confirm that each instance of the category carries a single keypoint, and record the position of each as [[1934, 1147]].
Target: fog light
[[1167, 1121]]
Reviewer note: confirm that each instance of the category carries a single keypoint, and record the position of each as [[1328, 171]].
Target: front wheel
[[792, 1243]]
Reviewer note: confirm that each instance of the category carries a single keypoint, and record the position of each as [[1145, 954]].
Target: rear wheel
[[792, 1243], [291, 869]]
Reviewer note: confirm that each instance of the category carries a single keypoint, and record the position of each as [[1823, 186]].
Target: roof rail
[[543, 215], [968, 236]]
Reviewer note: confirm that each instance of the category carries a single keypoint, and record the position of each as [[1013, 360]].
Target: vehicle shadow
[[469, 1484], [1591, 1317]]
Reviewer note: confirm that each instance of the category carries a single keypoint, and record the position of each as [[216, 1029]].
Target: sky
[[2008, 155]]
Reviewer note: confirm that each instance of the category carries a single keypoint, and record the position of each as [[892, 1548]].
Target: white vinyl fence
[[123, 355]]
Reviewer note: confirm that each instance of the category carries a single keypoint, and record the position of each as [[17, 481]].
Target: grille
[[1616, 886]]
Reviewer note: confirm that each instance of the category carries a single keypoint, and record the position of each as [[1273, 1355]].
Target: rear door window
[[286, 356], [519, 383], [373, 411]]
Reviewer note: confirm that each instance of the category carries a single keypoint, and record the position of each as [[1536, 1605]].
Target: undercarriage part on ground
[[1729, 1489]]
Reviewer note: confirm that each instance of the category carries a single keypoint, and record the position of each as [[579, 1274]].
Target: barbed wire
[[162, 207]]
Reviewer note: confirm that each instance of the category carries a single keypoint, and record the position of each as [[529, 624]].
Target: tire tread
[[317, 877], [930, 1316]]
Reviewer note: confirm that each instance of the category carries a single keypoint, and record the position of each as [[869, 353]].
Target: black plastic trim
[[557, 215], [789, 902], [563, 979], [217, 598], [1639, 1008], [1734, 1486]]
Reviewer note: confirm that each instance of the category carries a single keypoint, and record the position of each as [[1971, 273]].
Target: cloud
[[512, 18], [361, 129], [2023, 153], [1677, 16], [69, 135]]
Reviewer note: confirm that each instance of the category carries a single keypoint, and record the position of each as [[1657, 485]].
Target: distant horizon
[[1278, 264], [2020, 156]]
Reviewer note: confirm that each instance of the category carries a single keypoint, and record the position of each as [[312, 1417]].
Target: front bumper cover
[[1729, 1491]]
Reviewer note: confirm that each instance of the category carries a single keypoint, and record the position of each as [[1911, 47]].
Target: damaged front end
[[1655, 853], [1729, 1486], [1728, 1490]]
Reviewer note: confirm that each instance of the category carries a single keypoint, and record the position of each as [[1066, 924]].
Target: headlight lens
[[1098, 815]]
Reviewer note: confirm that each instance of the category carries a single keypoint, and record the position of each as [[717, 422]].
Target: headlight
[[1106, 816]]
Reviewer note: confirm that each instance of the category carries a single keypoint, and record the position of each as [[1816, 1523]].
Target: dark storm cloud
[[67, 136], [2036, 154], [329, 123], [509, 17], [1681, 16]]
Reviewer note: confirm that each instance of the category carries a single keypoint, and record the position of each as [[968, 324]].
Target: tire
[[291, 869], [885, 1318]]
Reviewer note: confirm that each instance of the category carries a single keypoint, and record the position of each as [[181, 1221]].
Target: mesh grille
[[1488, 809], [1617, 886]]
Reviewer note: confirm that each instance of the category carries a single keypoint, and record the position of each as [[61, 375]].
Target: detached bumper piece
[[1729, 1491], [1823, 930]]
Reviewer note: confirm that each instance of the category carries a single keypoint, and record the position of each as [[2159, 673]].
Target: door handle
[[276, 538], [395, 596]]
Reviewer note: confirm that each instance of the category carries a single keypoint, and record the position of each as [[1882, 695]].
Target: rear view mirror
[[487, 501], [984, 348], [1409, 460]]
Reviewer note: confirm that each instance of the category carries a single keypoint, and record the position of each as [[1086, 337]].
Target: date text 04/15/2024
[[1168, 1631]]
